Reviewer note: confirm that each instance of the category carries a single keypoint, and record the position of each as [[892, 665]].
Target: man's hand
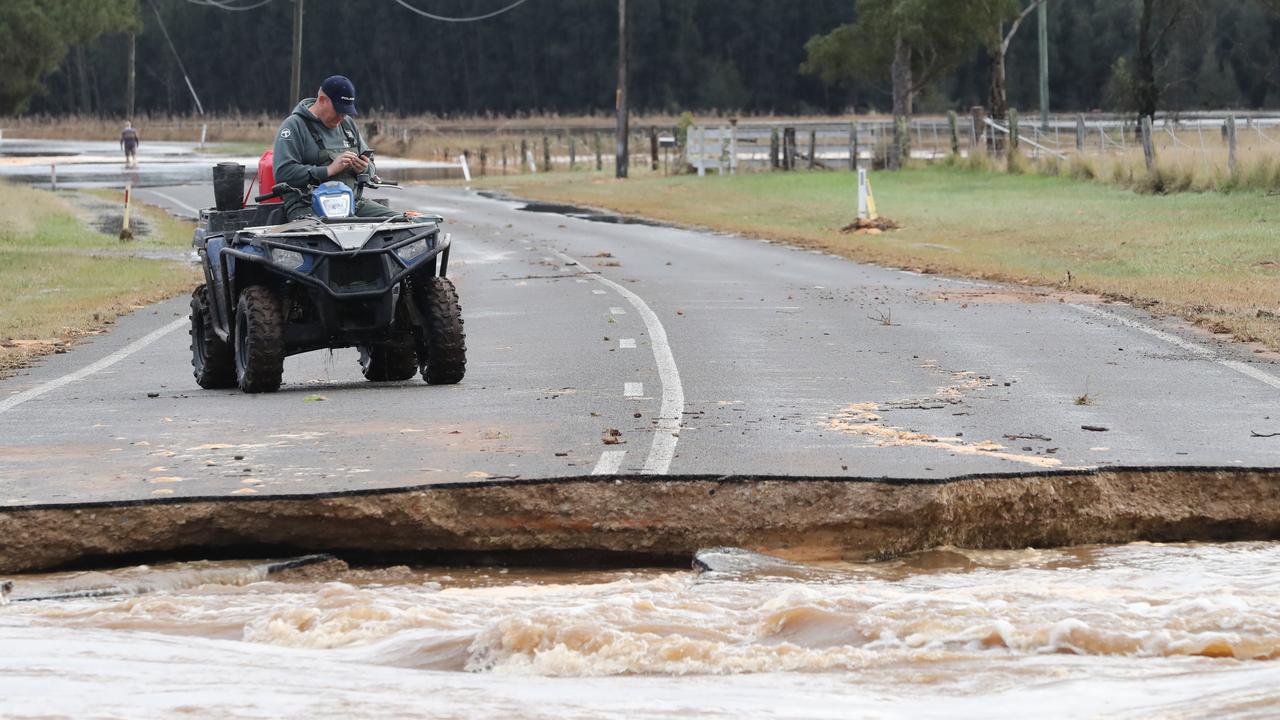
[[347, 161]]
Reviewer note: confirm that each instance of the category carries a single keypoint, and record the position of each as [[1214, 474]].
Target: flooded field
[[1132, 631]]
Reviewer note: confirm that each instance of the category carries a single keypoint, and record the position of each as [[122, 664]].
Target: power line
[[223, 6], [177, 57], [442, 18]]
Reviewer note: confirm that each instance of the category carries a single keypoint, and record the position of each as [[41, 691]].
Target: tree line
[[558, 56]]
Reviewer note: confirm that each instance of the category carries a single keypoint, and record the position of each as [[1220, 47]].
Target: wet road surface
[[708, 353]]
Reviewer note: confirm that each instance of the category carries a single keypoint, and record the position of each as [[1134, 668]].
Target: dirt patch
[[1011, 296], [861, 419], [864, 226], [108, 217]]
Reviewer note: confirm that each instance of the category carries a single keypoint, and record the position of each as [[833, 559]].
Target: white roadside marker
[[626, 343], [633, 390]]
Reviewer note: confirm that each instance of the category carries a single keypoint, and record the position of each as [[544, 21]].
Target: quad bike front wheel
[[387, 363], [212, 360], [442, 351], [259, 346]]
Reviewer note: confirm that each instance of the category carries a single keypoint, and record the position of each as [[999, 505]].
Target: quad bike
[[274, 289]]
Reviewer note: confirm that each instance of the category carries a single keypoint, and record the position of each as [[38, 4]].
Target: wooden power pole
[[295, 79], [620, 167], [129, 85]]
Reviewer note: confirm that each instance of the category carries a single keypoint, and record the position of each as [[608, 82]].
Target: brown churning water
[[1138, 630]]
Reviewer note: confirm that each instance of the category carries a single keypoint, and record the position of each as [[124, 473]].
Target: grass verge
[[61, 280], [1212, 258]]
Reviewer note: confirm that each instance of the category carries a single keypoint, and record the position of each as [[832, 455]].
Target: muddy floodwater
[[1139, 630]]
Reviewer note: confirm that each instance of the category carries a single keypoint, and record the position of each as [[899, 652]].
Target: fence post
[[789, 148], [546, 154], [853, 145], [1231, 144], [813, 149], [484, 161], [504, 158], [978, 114], [599, 154], [1080, 133], [1013, 132], [653, 148], [773, 149], [702, 151], [733, 146], [524, 151], [953, 125], [1148, 147], [573, 152]]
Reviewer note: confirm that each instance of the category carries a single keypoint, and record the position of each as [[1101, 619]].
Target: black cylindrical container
[[228, 186]]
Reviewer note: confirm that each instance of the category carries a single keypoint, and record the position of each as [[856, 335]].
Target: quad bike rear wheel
[[387, 363], [442, 350], [212, 360], [259, 347]]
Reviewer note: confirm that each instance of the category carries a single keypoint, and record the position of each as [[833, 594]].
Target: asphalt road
[[710, 354]]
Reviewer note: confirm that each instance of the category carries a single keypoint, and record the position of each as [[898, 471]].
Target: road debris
[[1093, 428], [612, 436]]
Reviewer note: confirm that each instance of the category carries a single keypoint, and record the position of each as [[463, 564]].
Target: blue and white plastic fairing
[[333, 199]]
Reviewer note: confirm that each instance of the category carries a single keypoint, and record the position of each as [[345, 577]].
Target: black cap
[[341, 93]]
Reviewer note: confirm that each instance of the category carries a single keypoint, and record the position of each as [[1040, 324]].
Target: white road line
[[626, 343], [632, 389], [610, 462], [579, 280], [671, 413], [14, 401], [195, 212], [617, 310], [598, 292], [1195, 348]]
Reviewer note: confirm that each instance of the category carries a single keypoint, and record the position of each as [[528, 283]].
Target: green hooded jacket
[[301, 161]]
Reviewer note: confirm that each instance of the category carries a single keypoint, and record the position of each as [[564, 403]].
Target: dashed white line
[[14, 401], [633, 389], [626, 343], [610, 462], [616, 310], [1195, 348], [598, 292], [671, 413]]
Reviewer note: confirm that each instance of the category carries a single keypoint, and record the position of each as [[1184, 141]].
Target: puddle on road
[[1141, 628]]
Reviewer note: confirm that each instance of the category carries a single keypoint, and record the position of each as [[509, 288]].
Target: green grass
[[1211, 257], [60, 280]]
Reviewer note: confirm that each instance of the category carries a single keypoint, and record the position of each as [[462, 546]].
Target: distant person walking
[[129, 142]]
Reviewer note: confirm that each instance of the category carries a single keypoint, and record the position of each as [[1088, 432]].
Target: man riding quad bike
[[275, 288]]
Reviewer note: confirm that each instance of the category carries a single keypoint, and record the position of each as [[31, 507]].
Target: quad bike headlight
[[410, 252], [291, 259]]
